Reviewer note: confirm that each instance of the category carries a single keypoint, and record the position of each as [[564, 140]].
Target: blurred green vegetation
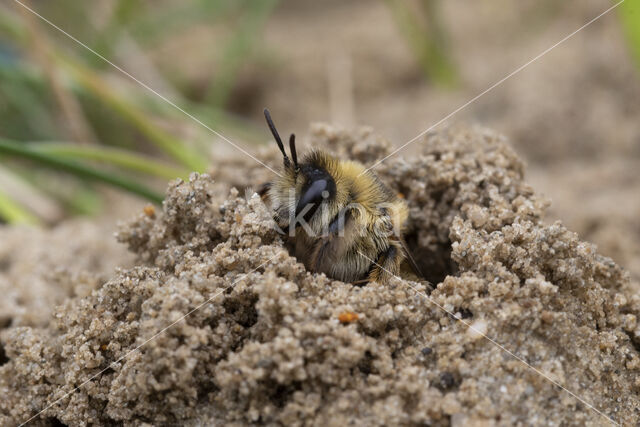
[[420, 23], [66, 113], [630, 16], [71, 123]]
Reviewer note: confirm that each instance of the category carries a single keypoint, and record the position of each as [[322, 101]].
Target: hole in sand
[[447, 381], [434, 265], [242, 310], [634, 342], [5, 322], [366, 364], [3, 356], [464, 313], [280, 394]]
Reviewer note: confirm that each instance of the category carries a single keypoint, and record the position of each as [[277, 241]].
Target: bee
[[340, 219]]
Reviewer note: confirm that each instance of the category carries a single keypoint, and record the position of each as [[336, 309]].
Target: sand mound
[[265, 343], [40, 268]]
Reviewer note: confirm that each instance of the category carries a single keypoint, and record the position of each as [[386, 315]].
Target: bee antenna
[[292, 148], [275, 134]]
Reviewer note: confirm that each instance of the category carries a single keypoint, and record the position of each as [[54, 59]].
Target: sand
[[268, 342]]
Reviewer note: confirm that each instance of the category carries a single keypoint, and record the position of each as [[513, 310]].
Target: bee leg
[[263, 191], [334, 241], [387, 265], [319, 253]]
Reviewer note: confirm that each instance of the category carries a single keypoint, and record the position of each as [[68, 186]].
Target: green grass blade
[[20, 150], [113, 156], [93, 83], [9, 25], [13, 213], [166, 142], [630, 16], [238, 49], [426, 40]]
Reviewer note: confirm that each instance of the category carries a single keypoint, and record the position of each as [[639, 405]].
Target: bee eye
[[312, 195]]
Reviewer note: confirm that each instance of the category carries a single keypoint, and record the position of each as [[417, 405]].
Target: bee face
[[318, 187], [306, 193], [340, 219]]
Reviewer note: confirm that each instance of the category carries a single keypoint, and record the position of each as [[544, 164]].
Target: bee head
[[311, 180], [317, 186]]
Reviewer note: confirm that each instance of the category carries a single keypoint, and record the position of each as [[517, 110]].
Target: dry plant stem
[[135, 57], [71, 112], [341, 93]]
